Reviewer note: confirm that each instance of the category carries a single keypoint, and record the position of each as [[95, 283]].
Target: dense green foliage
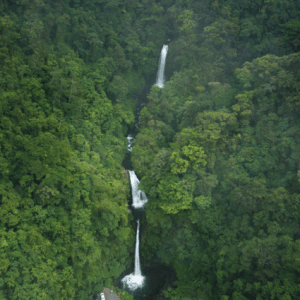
[[218, 150], [68, 71]]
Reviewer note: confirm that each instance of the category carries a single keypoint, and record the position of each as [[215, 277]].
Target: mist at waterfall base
[[157, 278]]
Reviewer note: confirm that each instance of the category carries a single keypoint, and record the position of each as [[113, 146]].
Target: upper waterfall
[[139, 198], [160, 80]]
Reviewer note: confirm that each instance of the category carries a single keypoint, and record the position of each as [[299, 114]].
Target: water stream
[[150, 283]]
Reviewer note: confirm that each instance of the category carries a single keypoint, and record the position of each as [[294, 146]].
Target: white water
[[139, 198], [129, 139], [137, 266], [160, 80], [136, 279]]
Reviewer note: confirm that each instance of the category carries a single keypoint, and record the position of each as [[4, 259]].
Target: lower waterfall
[[135, 280]]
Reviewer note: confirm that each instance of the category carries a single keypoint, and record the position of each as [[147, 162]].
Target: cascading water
[[130, 139], [139, 198], [160, 80], [156, 277], [136, 279], [137, 265]]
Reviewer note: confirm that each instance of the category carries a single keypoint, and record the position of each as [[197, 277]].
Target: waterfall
[[160, 80], [139, 198], [137, 266], [136, 279], [129, 139]]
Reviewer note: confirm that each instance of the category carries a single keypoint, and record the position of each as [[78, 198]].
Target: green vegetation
[[66, 87], [217, 152]]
